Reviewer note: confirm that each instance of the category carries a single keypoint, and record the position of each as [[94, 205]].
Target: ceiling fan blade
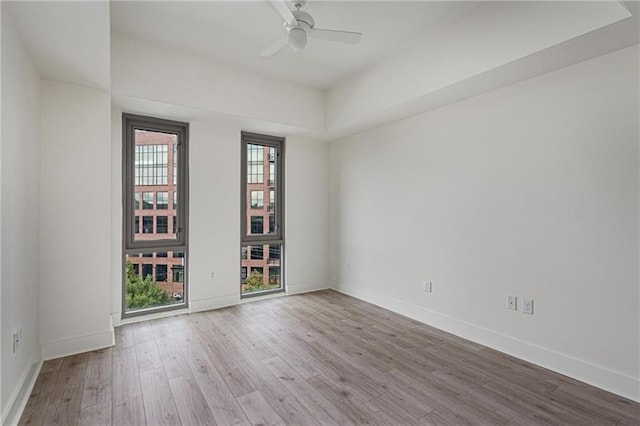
[[283, 9], [275, 48], [349, 37]]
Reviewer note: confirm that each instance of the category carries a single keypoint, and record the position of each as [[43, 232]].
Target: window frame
[[130, 123], [269, 141], [246, 238]]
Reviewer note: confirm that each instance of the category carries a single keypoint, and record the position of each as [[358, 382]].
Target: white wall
[[307, 215], [75, 278], [530, 190], [214, 215], [20, 178]]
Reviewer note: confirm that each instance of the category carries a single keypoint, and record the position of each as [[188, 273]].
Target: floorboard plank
[[66, 397], [98, 380], [128, 407], [219, 398], [35, 410], [191, 405], [96, 415], [159, 407], [258, 410]]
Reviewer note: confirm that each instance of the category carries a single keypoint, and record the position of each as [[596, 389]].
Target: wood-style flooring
[[319, 358]]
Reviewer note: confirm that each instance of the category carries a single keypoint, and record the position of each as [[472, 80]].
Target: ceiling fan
[[299, 26]]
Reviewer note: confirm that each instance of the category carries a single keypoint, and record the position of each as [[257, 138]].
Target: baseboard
[[78, 344], [20, 395], [214, 303], [307, 286], [620, 384]]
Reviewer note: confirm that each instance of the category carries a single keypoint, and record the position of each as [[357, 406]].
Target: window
[[147, 224], [161, 273], [162, 200], [147, 200], [257, 201], [257, 252], [150, 160], [274, 251], [272, 174], [274, 275], [162, 224], [175, 166], [261, 155], [155, 161], [136, 268], [255, 165], [147, 270], [178, 273], [257, 224]]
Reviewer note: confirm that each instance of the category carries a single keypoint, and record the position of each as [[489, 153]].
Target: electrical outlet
[[527, 306], [425, 286], [512, 303], [212, 275]]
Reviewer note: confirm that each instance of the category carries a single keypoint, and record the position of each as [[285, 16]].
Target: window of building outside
[[178, 273], [274, 274], [155, 193], [257, 200], [257, 225], [147, 200], [274, 252], [147, 270], [162, 225], [147, 224], [257, 253], [262, 224], [161, 272], [162, 200]]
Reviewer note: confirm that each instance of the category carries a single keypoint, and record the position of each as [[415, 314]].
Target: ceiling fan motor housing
[[305, 21]]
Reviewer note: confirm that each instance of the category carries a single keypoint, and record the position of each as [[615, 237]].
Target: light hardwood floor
[[319, 358]]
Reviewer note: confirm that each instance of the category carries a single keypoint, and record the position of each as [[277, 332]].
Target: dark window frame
[[269, 141], [130, 123], [246, 238]]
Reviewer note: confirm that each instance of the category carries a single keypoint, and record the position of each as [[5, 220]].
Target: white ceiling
[[235, 32], [69, 41]]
